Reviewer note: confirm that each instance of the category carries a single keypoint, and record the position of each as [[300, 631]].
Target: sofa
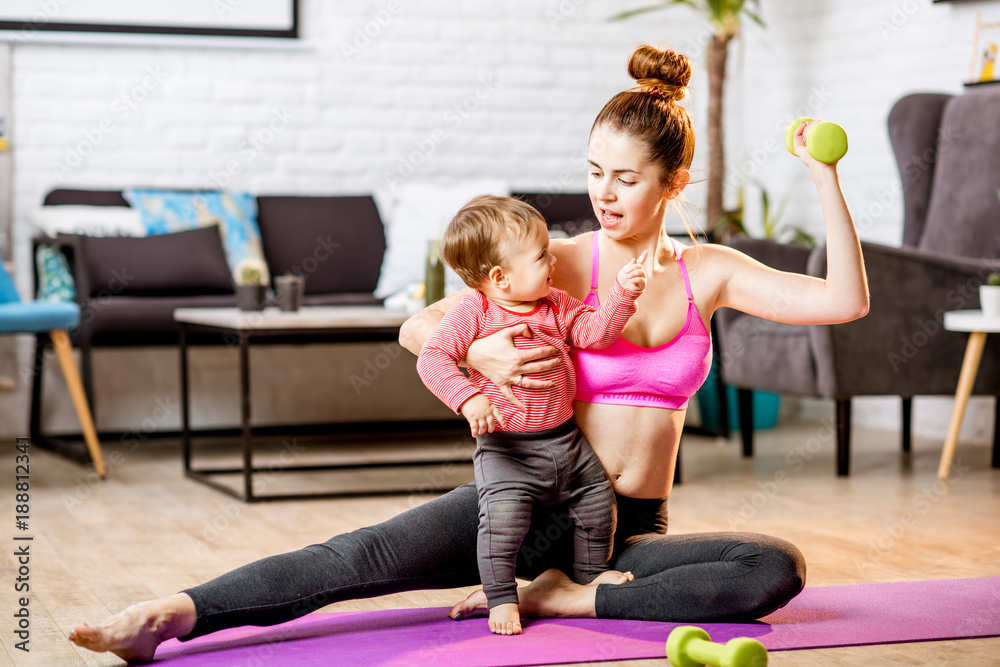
[[128, 288]]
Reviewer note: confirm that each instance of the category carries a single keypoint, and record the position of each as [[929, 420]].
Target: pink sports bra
[[624, 373]]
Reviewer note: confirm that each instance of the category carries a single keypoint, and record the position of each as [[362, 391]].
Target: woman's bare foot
[[504, 619], [551, 595], [613, 577], [134, 633]]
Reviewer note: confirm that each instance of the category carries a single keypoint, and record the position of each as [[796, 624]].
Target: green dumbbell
[[826, 142], [690, 646]]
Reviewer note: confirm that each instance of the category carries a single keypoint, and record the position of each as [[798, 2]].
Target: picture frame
[[221, 18], [985, 66]]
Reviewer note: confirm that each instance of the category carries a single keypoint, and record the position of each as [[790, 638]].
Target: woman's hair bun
[[663, 71]]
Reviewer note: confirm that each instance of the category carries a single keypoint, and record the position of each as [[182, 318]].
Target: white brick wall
[[360, 107]]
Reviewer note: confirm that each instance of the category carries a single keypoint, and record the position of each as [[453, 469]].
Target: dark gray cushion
[[189, 262], [335, 242], [913, 129], [140, 316], [62, 197], [964, 213]]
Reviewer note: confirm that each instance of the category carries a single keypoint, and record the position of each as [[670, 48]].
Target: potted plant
[[251, 284], [731, 222], [989, 296]]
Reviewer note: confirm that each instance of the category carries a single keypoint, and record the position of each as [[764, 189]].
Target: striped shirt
[[558, 320]]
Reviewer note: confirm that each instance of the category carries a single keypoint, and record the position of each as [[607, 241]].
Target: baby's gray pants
[[516, 470]]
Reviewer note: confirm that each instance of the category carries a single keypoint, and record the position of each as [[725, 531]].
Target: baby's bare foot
[[134, 633], [504, 619], [612, 577], [551, 595]]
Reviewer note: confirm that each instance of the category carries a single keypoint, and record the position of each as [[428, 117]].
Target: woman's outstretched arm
[[754, 288]]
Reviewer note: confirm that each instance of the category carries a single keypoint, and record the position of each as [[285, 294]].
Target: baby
[[535, 454]]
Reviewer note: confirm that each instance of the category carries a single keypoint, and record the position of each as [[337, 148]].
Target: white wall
[[530, 75]]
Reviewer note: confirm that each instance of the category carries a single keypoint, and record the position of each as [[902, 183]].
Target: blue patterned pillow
[[55, 282], [166, 211]]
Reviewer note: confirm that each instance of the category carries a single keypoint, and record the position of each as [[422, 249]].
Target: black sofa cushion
[[337, 243], [63, 197], [142, 320], [178, 264]]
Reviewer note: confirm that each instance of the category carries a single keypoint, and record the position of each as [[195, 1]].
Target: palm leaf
[[724, 14], [652, 8], [800, 235]]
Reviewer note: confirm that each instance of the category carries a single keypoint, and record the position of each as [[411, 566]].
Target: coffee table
[[326, 324], [978, 325]]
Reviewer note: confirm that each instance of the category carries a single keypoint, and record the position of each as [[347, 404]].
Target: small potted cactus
[[989, 296], [251, 284]]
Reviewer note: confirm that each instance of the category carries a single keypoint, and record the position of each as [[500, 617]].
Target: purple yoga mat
[[820, 617]]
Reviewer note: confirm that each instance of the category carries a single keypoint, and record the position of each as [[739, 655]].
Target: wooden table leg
[[967, 378], [64, 350]]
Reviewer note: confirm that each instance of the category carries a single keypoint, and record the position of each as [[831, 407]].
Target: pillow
[[87, 220], [55, 281], [190, 262], [421, 212], [165, 211]]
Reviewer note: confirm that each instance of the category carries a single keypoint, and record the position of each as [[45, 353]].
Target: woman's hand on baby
[[483, 416], [504, 364], [633, 276]]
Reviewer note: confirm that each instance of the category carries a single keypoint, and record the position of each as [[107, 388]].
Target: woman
[[630, 404]]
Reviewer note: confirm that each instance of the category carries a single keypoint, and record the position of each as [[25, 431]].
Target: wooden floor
[[148, 532]]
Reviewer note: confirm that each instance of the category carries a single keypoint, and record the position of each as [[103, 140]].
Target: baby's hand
[[633, 276], [482, 415]]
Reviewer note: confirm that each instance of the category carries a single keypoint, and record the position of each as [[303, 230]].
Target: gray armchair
[[948, 152]]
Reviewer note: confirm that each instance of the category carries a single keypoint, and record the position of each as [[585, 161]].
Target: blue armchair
[[51, 319]]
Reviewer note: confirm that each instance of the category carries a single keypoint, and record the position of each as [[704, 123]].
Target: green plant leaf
[[768, 224], [651, 8], [755, 18], [800, 235]]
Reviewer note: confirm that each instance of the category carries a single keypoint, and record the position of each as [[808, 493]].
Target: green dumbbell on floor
[[690, 646], [826, 142]]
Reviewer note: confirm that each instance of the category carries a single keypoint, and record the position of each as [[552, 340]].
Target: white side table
[[978, 325]]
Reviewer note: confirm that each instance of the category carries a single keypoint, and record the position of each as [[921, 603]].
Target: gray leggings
[[701, 577], [516, 471]]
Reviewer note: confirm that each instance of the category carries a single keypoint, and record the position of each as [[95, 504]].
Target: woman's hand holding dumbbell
[[816, 142]]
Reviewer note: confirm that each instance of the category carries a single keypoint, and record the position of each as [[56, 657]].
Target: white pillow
[[88, 220], [421, 212]]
